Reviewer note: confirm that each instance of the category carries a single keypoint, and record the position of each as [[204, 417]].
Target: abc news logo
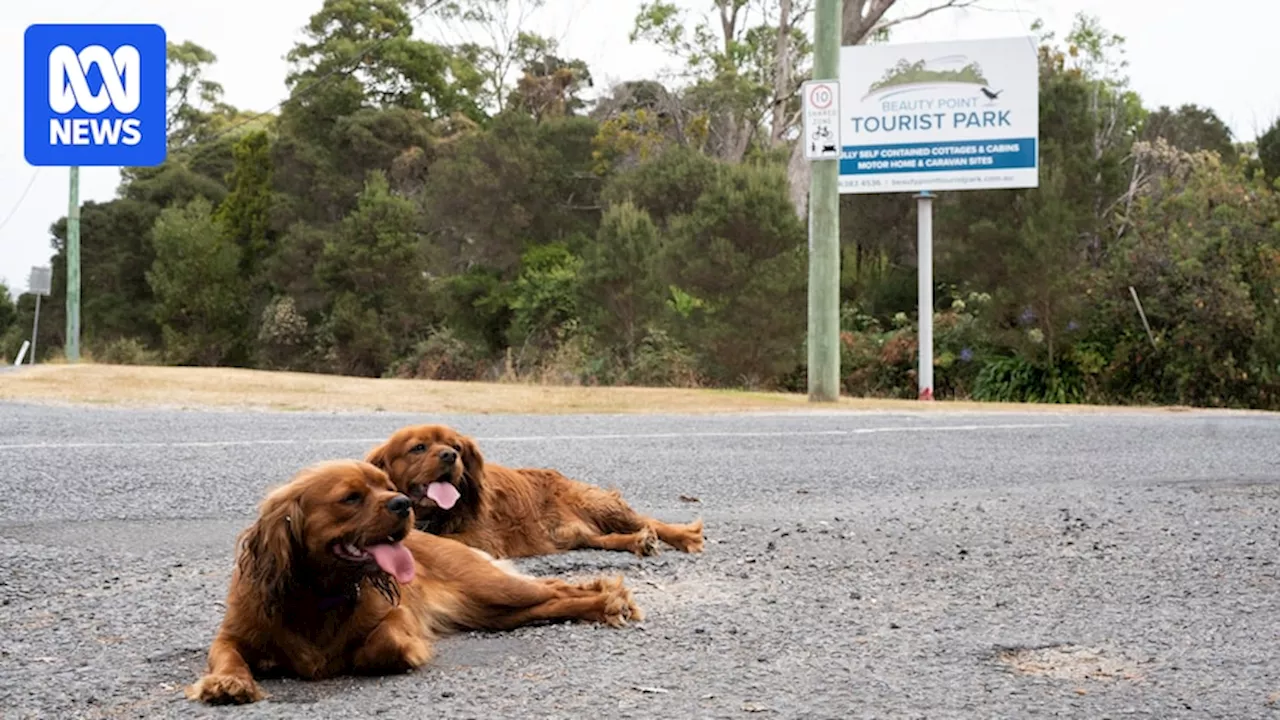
[[121, 90], [95, 95]]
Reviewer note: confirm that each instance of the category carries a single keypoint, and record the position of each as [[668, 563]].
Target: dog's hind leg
[[603, 600], [500, 599], [607, 510], [687, 538], [575, 534]]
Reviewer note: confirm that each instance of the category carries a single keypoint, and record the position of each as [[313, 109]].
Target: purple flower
[[1073, 325], [966, 355], [1028, 315]]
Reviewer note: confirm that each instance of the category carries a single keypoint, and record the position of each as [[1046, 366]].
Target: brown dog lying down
[[331, 579], [514, 512]]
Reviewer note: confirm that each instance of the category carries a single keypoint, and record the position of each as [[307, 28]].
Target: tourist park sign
[[960, 115]]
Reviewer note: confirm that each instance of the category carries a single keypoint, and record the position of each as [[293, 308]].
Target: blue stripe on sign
[[962, 155]]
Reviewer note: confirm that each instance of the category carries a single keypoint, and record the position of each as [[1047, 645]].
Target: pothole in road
[[1070, 662], [666, 595]]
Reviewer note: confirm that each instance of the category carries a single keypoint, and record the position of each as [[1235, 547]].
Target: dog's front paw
[[646, 543], [416, 653], [224, 690], [620, 606], [393, 656]]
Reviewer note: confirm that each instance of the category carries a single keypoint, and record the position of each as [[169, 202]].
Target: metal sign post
[[39, 282], [924, 290]]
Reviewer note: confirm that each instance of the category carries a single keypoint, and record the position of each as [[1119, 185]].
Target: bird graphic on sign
[[991, 95]]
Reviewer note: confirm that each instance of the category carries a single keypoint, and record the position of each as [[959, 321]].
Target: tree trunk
[[782, 73]]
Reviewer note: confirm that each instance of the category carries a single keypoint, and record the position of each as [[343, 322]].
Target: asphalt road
[[858, 565]]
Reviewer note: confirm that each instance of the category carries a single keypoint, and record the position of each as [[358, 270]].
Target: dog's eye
[[419, 448], [352, 498]]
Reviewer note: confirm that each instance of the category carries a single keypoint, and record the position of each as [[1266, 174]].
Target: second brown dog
[[514, 512]]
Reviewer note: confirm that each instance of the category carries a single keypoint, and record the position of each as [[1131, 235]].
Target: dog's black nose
[[448, 456], [399, 505]]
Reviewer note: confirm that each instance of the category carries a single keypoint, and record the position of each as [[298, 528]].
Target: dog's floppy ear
[[268, 547], [377, 457], [472, 460]]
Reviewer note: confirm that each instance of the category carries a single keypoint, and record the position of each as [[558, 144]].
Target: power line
[[14, 210]]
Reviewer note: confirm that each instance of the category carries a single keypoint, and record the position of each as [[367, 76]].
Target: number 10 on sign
[[821, 120]]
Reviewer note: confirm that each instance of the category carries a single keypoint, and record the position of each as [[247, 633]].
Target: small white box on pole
[[821, 119]]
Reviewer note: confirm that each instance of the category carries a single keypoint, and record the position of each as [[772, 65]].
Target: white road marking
[[546, 438]]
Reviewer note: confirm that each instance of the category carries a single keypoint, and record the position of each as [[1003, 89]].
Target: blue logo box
[[94, 95]]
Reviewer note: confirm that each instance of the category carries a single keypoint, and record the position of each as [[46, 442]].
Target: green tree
[[1204, 259], [392, 68], [1269, 151], [196, 109], [115, 254], [505, 54], [669, 185], [245, 213], [200, 296], [621, 289], [9, 329], [363, 93], [545, 295], [1190, 128], [550, 86], [518, 182], [374, 267], [8, 311], [740, 256], [740, 76]]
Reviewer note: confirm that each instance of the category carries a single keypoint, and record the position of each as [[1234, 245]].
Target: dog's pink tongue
[[395, 560], [444, 493]]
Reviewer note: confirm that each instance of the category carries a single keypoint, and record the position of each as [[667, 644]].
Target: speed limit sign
[[820, 96]]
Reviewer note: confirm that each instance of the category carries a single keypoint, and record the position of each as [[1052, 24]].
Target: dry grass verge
[[125, 385]]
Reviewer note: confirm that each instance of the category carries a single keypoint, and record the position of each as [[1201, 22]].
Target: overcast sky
[[1213, 54]]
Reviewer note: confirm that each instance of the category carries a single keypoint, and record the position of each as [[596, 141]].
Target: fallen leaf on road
[[755, 707], [1273, 698], [651, 690], [689, 498]]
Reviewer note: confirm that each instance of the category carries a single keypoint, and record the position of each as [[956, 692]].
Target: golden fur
[[301, 603], [516, 512]]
